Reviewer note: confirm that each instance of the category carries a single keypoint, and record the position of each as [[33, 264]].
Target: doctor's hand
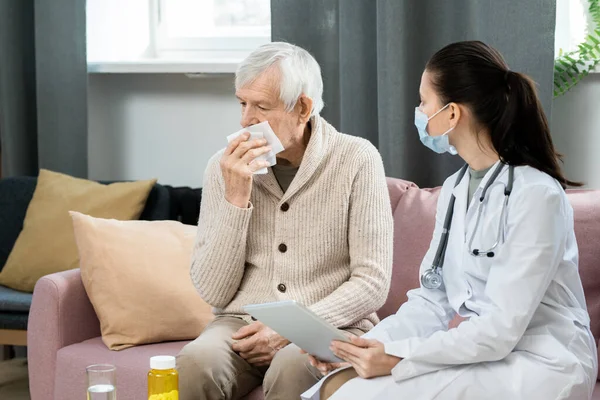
[[367, 356], [258, 344], [238, 164], [325, 367]]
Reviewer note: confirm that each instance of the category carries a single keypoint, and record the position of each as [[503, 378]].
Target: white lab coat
[[527, 332]]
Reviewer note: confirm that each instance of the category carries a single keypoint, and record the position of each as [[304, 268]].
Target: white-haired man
[[316, 229]]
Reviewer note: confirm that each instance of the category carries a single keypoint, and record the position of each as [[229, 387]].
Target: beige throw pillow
[[137, 276], [46, 244]]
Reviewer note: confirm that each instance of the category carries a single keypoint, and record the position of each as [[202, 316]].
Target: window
[[175, 31], [117, 30], [573, 23], [198, 27]]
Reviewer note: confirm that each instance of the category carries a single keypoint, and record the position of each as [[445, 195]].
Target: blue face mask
[[439, 144]]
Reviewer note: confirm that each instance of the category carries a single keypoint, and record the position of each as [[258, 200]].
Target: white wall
[[165, 125], [168, 126], [576, 130]]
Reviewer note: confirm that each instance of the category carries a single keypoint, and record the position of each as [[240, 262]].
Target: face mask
[[439, 144]]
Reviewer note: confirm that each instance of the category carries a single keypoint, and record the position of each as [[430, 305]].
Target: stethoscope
[[432, 277]]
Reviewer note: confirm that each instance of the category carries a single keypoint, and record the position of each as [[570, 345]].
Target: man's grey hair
[[300, 73]]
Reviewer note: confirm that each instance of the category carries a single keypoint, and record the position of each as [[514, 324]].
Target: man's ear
[[305, 105]]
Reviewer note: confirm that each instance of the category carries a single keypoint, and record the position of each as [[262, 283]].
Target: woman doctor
[[508, 264]]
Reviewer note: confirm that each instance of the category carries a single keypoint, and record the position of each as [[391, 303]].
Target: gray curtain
[[43, 87], [372, 54]]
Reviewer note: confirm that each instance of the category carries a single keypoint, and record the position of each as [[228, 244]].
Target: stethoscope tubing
[[432, 279]]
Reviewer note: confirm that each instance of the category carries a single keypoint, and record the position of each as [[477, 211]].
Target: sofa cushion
[[137, 277], [132, 366], [185, 204], [157, 204], [14, 300], [16, 193], [586, 210], [46, 244], [14, 320], [596, 394], [414, 218], [396, 188]]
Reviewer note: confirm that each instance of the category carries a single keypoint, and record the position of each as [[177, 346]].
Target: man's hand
[[258, 344], [238, 164], [367, 356]]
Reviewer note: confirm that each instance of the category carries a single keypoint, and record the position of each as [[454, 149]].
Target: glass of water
[[101, 382]]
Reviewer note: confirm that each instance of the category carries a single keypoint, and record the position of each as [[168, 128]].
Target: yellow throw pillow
[[137, 276], [46, 243]]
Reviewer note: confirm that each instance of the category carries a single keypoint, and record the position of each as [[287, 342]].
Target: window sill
[[157, 66]]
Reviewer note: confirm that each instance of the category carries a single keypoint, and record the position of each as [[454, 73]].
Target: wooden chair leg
[[20, 351], [5, 354]]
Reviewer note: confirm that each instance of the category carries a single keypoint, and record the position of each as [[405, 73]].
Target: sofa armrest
[[61, 314]]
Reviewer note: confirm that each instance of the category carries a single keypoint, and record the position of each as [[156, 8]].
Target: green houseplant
[[570, 68]]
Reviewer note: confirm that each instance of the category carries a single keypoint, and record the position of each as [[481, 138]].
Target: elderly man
[[316, 229]]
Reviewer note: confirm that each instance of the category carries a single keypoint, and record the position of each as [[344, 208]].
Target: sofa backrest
[[15, 195], [414, 216], [185, 204], [586, 210], [17, 192]]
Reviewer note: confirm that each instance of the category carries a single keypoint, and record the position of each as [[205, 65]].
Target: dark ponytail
[[503, 101]]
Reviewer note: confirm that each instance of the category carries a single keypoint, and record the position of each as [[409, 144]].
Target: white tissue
[[259, 131]]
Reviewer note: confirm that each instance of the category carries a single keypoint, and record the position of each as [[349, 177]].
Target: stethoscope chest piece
[[432, 279]]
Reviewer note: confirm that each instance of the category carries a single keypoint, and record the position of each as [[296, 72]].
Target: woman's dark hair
[[505, 102]]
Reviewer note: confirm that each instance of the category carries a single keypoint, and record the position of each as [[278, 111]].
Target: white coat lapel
[[460, 205]]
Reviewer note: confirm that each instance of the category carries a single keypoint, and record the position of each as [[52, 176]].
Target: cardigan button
[[281, 287], [282, 247], [284, 207]]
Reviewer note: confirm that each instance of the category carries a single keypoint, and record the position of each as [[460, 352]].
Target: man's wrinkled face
[[260, 102]]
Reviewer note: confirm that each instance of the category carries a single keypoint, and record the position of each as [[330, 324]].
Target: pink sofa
[[63, 334]]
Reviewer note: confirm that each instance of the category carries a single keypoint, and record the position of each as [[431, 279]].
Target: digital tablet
[[300, 326]]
